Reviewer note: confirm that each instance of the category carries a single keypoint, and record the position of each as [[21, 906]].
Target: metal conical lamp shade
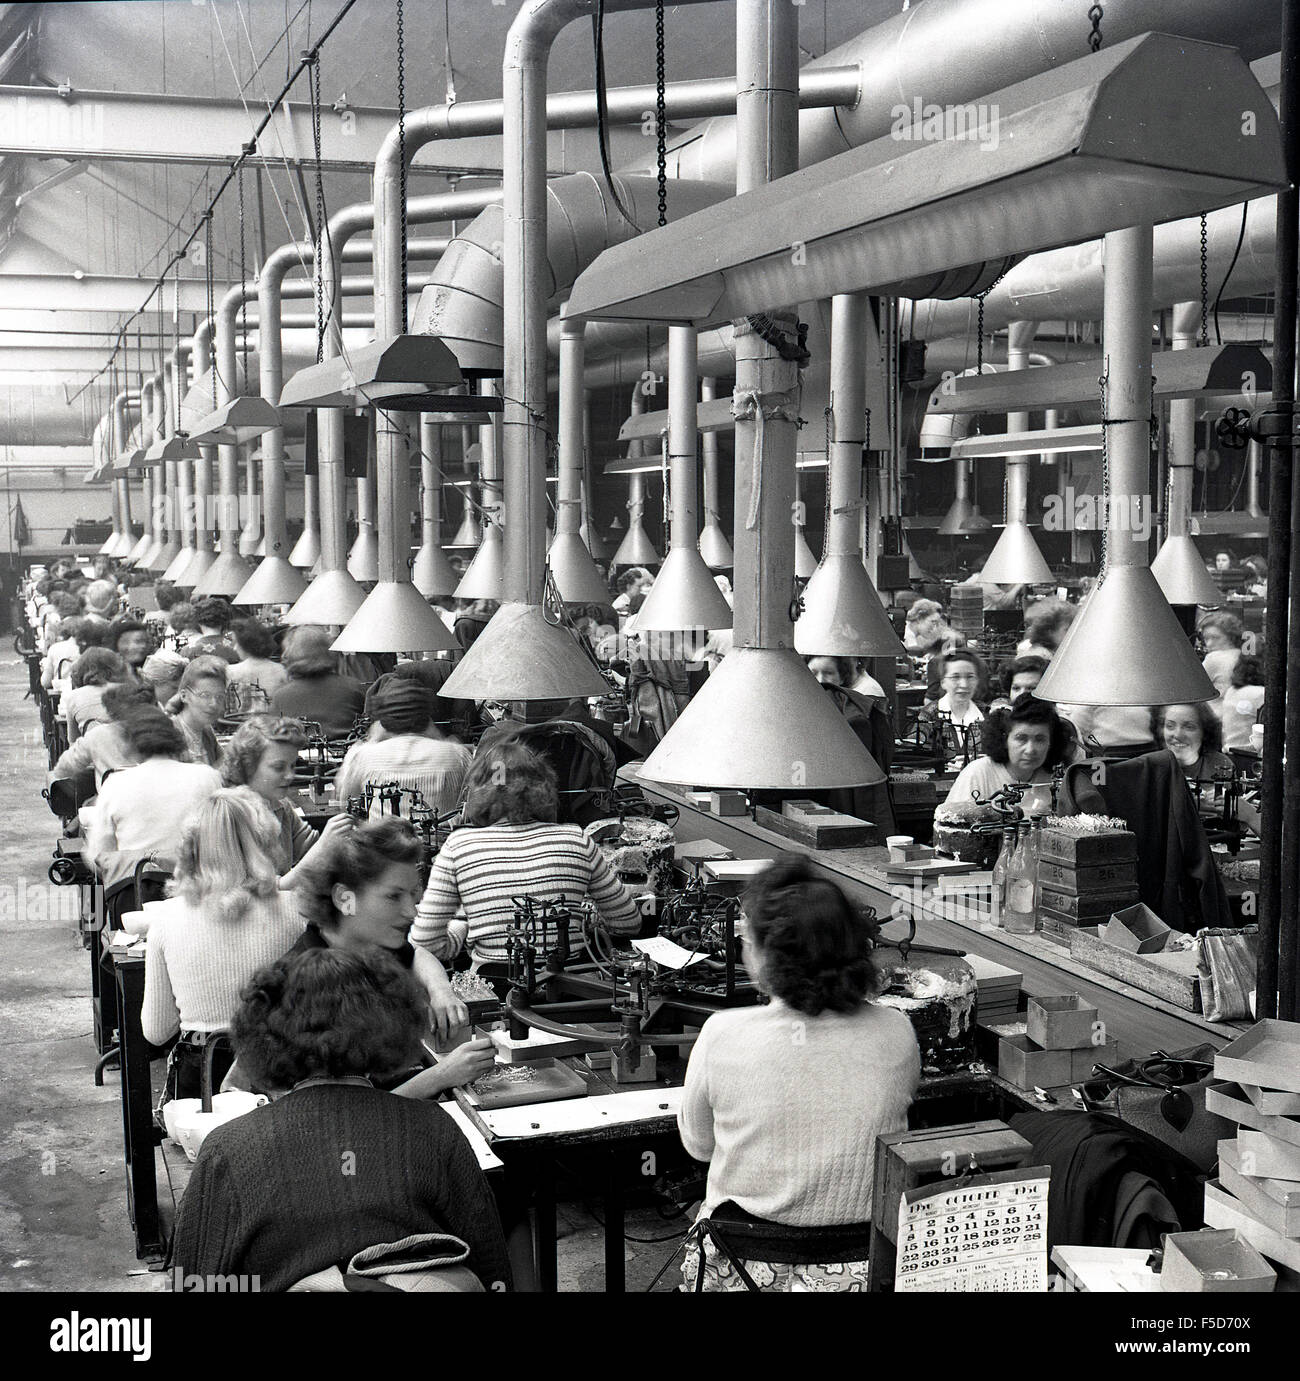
[[963, 518], [636, 549], [395, 618], [575, 573], [306, 551], [1016, 560], [762, 721], [140, 550], [363, 559], [469, 534], [260, 550], [124, 545], [1126, 647], [193, 567], [684, 598], [166, 554], [432, 574], [482, 578], [275, 581], [250, 542], [1181, 574], [805, 563], [109, 542], [227, 575], [329, 601], [520, 655], [842, 614], [715, 549]]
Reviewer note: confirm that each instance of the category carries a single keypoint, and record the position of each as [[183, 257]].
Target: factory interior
[[695, 611]]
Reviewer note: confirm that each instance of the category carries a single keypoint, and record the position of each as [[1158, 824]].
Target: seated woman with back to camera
[[266, 1197], [510, 846], [785, 1101]]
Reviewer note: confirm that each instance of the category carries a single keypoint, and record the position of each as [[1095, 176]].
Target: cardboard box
[[1228, 1101], [1082, 1060], [1137, 929], [1276, 1203], [1220, 1261], [1223, 1211], [1267, 1056], [1056, 922], [728, 803], [1063, 1022], [1264, 1155], [1086, 908], [1099, 877], [1025, 1064], [1088, 850], [1273, 1102]]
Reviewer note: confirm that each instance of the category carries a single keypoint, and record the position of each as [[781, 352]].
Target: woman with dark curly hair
[[335, 1165], [1021, 744], [1194, 735], [83, 704], [511, 848], [785, 1101]]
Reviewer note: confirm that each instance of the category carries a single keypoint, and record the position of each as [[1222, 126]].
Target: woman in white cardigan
[[785, 1101]]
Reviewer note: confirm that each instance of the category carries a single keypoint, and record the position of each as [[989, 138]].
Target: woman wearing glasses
[[203, 702]]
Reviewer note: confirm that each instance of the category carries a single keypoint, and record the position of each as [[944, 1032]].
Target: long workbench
[[1140, 1021]]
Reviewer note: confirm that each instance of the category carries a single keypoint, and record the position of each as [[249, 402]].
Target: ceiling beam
[[98, 293]]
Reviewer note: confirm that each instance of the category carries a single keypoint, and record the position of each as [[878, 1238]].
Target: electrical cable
[[1241, 238], [602, 111]]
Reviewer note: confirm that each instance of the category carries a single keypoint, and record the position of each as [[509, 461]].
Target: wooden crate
[[829, 830], [1168, 976], [907, 1160], [1099, 877], [1086, 908], [1087, 850]]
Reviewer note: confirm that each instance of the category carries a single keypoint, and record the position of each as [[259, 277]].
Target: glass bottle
[[1000, 869], [1019, 915]]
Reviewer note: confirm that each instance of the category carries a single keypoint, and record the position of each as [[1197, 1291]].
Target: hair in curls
[[353, 860], [816, 945], [1028, 710], [510, 783], [1211, 725], [329, 1013], [243, 753], [228, 854]]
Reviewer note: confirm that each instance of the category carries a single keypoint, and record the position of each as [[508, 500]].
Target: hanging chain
[[313, 87], [661, 114], [1205, 281], [1095, 14], [401, 149]]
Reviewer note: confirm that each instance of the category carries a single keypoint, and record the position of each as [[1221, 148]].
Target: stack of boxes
[[1084, 878], [1063, 1038], [1258, 1189], [966, 611]]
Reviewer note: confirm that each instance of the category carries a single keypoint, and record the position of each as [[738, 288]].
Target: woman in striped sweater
[[512, 848]]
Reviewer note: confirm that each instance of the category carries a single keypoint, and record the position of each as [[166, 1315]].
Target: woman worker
[[1193, 734], [1022, 744], [267, 1199], [785, 1101]]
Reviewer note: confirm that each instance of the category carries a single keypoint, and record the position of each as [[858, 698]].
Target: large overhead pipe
[[740, 729], [204, 556], [574, 572], [636, 548], [522, 655], [178, 372], [334, 595], [177, 472], [431, 573], [159, 496], [121, 483], [1127, 647], [485, 574], [1178, 567], [842, 614]]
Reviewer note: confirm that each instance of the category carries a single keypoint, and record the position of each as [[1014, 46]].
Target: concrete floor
[[63, 1219]]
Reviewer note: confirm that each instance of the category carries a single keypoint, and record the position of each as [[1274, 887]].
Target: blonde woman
[[230, 918]]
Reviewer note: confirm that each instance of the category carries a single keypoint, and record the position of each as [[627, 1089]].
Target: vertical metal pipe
[[709, 449], [270, 383], [683, 395], [568, 498], [1126, 325], [227, 386], [1182, 429], [184, 468], [203, 515], [430, 481], [1279, 957], [848, 401], [495, 508], [765, 399], [1020, 335]]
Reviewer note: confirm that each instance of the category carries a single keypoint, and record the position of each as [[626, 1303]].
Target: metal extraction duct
[[1126, 647], [636, 548], [714, 546], [1100, 141]]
